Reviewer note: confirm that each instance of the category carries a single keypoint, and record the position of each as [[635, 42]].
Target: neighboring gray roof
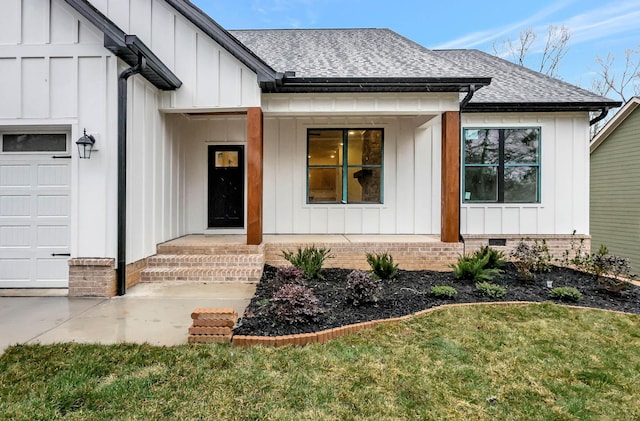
[[520, 86], [348, 53]]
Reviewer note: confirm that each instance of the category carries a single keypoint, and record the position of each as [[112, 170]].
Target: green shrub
[[474, 268], [491, 290], [382, 265], [576, 256], [362, 288], [310, 260], [496, 257], [444, 291], [295, 304], [531, 258], [565, 294]]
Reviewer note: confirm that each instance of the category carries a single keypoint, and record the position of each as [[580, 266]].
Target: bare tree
[[555, 47], [623, 84]]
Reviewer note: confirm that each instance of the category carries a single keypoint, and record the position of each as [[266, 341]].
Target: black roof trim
[[506, 107], [266, 75], [383, 84], [128, 47]]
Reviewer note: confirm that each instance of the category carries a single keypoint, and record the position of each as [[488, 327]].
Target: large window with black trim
[[345, 165], [501, 165]]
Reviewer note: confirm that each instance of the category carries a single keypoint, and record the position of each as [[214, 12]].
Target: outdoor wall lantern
[[85, 145]]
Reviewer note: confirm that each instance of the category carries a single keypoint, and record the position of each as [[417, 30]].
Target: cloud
[[482, 37]]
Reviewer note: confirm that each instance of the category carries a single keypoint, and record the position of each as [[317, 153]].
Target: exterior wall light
[[85, 145]]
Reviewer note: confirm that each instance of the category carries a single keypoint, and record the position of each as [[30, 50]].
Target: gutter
[[121, 270], [467, 98], [601, 116]]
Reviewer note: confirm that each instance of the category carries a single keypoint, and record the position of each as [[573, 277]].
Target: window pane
[[521, 184], [364, 185], [227, 159], [325, 147], [325, 185], [481, 184], [481, 146], [34, 143], [521, 146], [365, 147]]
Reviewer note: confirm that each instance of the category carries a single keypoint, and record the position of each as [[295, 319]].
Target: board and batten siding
[[211, 77], [564, 205], [57, 74], [411, 205], [615, 191]]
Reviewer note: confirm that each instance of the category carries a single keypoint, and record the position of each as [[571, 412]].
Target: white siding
[[564, 173], [411, 179], [212, 78]]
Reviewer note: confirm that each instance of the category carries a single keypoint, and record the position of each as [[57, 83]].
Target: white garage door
[[34, 210]]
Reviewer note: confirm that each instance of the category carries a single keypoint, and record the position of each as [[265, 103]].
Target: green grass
[[539, 362]]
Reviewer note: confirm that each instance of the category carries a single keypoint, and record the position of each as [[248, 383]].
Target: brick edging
[[324, 336]]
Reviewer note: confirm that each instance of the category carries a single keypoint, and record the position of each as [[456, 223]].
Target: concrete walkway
[[159, 314]]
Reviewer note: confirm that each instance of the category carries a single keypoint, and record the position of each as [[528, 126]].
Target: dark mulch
[[409, 292]]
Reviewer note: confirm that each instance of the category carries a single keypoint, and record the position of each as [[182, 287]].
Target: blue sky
[[596, 27]]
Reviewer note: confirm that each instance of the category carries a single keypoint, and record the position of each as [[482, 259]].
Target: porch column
[[254, 171], [450, 218]]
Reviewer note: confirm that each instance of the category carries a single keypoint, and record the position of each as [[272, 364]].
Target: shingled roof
[[519, 87], [381, 53], [348, 59]]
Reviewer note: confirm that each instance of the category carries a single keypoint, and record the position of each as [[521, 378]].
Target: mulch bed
[[409, 292]]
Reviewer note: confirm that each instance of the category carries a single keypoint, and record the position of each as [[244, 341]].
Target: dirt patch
[[409, 292]]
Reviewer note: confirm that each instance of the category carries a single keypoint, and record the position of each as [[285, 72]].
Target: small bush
[[310, 260], [288, 275], [496, 257], [382, 265], [531, 258], [576, 256], [474, 268], [565, 294], [295, 304], [612, 272], [362, 288], [491, 290], [443, 291]]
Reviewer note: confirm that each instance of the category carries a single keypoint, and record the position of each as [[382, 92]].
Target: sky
[[597, 27]]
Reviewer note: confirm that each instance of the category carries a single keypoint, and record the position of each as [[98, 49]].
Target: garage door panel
[[15, 269], [53, 205], [15, 175], [15, 236], [53, 175], [15, 205], [52, 269], [52, 236]]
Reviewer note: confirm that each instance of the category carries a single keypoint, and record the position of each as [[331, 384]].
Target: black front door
[[226, 186]]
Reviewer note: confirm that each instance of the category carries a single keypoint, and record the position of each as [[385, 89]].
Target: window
[[501, 165], [34, 142], [344, 165]]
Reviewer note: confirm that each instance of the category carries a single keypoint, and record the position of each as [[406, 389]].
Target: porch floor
[[215, 239]]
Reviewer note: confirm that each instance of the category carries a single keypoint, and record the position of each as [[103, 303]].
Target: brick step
[[205, 260], [209, 249], [204, 274]]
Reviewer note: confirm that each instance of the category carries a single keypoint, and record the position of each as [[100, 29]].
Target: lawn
[[535, 361]]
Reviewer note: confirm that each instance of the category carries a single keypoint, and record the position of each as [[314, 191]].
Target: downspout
[[465, 101], [603, 114], [121, 271]]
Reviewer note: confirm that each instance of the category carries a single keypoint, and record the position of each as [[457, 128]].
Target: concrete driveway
[[159, 314]]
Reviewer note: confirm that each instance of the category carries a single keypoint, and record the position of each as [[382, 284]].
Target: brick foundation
[[557, 243], [409, 256], [92, 277]]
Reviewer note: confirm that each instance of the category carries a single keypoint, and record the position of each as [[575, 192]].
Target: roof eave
[[379, 84], [505, 107], [612, 124], [128, 47], [220, 35]]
